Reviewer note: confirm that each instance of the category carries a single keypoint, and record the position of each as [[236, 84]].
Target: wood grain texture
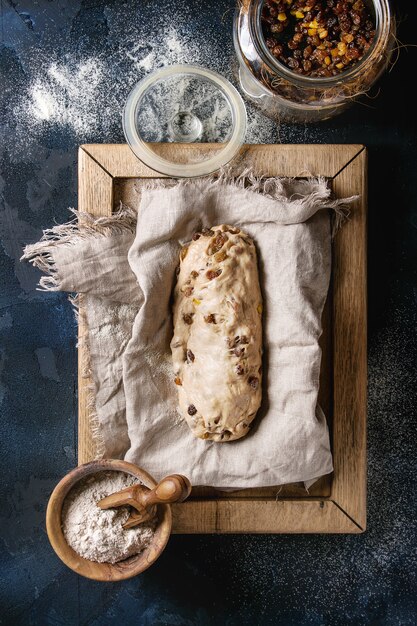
[[95, 186], [350, 346], [87, 449], [266, 160], [260, 516], [95, 196], [110, 174]]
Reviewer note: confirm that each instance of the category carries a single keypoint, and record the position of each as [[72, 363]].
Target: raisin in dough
[[217, 343]]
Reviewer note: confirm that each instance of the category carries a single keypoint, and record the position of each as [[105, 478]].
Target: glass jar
[[287, 96]]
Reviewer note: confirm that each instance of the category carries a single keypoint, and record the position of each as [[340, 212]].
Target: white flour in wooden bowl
[[98, 535]]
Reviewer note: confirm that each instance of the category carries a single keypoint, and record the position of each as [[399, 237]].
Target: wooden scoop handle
[[173, 488]]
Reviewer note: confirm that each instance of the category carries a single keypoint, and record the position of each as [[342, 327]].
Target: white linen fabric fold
[[125, 267]]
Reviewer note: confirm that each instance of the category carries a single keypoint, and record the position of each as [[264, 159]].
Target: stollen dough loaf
[[217, 343]]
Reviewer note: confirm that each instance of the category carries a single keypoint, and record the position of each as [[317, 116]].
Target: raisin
[[239, 351], [320, 55], [361, 41], [211, 274], [345, 24], [244, 339], [277, 50], [207, 232], [240, 370], [323, 24], [178, 381], [190, 356], [352, 53], [277, 27], [253, 382], [188, 290], [220, 256], [307, 51], [217, 243], [191, 410], [194, 274], [196, 236], [187, 318], [341, 7], [293, 63], [324, 72], [210, 318]]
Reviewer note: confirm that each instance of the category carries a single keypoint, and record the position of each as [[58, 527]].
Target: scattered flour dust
[[98, 535], [114, 328], [168, 49], [86, 95], [67, 95]]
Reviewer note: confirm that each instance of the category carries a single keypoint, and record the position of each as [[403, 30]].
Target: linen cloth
[[125, 268]]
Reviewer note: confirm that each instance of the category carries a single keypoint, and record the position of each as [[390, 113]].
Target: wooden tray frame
[[341, 506]]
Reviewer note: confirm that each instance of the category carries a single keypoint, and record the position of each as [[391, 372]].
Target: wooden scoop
[[174, 488]]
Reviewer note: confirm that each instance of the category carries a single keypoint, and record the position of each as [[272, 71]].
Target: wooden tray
[[109, 174]]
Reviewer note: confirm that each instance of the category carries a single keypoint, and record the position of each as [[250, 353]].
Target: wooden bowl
[[105, 571]]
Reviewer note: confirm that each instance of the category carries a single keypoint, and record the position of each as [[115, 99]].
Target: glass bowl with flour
[[92, 541]]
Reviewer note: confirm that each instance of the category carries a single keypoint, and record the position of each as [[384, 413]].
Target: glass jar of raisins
[[308, 60]]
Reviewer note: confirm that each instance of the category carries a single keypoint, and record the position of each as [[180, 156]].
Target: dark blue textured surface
[[301, 580]]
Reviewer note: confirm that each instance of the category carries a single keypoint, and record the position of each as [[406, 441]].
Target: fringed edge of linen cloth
[[311, 190], [81, 227]]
